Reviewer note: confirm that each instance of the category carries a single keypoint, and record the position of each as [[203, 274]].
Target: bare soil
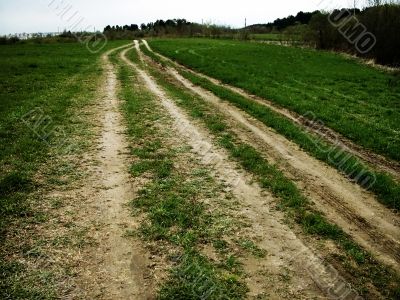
[[110, 265]]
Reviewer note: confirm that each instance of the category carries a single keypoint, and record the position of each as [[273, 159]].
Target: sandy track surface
[[377, 161], [115, 267], [311, 277], [355, 210], [124, 259]]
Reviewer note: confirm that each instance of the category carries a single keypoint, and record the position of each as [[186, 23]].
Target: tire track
[[116, 267], [311, 276], [355, 210]]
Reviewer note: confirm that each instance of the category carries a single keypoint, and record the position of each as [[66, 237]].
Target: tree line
[[372, 32], [168, 28], [281, 24]]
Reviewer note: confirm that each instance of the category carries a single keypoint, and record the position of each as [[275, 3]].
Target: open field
[[312, 136], [140, 179], [357, 101]]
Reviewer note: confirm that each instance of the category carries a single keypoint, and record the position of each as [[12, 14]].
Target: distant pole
[[245, 23]]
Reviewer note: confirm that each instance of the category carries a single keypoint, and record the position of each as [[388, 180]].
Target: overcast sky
[[17, 16]]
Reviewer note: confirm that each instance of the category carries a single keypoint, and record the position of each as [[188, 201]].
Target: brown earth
[[111, 266]]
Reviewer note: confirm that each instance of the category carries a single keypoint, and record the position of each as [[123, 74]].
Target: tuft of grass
[[14, 182], [173, 212], [195, 276], [252, 248], [162, 167], [15, 285]]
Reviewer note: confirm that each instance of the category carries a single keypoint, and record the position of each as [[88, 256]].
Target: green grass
[[196, 276], [357, 101], [46, 76], [171, 202], [355, 260], [382, 184], [50, 77], [252, 248]]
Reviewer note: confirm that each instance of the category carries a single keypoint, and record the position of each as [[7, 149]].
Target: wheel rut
[[115, 267]]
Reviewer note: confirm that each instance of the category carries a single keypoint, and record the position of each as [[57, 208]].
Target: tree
[[134, 27]]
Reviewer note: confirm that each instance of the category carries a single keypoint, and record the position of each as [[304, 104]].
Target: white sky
[[17, 16]]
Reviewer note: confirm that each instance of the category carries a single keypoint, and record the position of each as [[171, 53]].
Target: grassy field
[[297, 206], [385, 187], [41, 87], [356, 100]]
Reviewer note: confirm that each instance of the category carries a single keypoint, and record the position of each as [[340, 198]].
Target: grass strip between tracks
[[171, 202]]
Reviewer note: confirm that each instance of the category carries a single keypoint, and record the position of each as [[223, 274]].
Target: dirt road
[[112, 266], [124, 260], [285, 250], [115, 266]]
